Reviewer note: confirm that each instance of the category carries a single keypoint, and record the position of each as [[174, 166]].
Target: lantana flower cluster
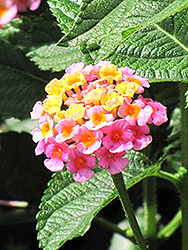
[[10, 8], [91, 116]]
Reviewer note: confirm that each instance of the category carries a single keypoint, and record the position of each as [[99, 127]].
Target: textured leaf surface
[[146, 35], [159, 52], [123, 20], [65, 12], [22, 84], [55, 58], [68, 208], [89, 14], [155, 54]]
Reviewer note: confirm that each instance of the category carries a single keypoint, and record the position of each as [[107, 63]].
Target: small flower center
[[110, 71], [134, 80], [67, 130], [110, 155], [45, 129], [3, 10], [88, 139], [98, 118], [79, 163], [116, 136], [133, 110], [57, 152]]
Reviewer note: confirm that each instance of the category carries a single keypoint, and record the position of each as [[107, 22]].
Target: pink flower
[[135, 113], [112, 161], [140, 139], [159, 114], [98, 118], [144, 115], [41, 147], [8, 11], [58, 154], [89, 73], [118, 137], [81, 164], [37, 111], [75, 67], [88, 141], [66, 129], [23, 5], [126, 71], [46, 129], [128, 75]]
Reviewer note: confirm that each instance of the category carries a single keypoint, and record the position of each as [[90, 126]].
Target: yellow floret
[[75, 112], [110, 73]]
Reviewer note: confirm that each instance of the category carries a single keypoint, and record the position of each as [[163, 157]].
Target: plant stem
[[150, 207], [171, 227], [126, 204], [167, 176], [110, 226], [184, 149]]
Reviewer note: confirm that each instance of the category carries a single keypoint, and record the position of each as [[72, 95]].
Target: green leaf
[[110, 18], [55, 58], [31, 32], [22, 84], [68, 208], [149, 37], [155, 53], [65, 12], [159, 52], [89, 14]]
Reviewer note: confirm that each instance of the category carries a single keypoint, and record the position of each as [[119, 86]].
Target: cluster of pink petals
[[10, 8], [103, 120]]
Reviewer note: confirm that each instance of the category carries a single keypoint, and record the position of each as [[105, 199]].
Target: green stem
[[110, 226], [126, 204], [150, 207], [171, 227], [167, 176], [184, 149]]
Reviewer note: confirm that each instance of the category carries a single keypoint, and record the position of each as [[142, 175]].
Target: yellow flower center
[[133, 110], [88, 139], [134, 80], [54, 87], [67, 130], [45, 129], [3, 10], [73, 81], [52, 104], [93, 96], [98, 118]]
